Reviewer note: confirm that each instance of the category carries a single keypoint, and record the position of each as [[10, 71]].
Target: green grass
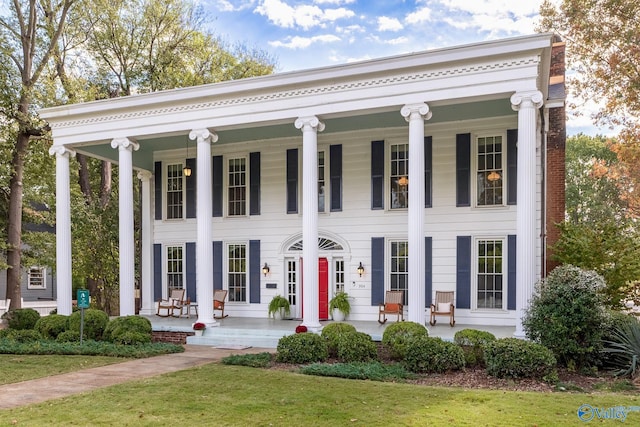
[[15, 368], [223, 395]]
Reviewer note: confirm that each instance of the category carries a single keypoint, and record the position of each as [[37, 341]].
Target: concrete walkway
[[57, 386]]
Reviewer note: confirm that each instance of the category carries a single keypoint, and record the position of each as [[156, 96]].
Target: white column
[[146, 263], [416, 114], [204, 242], [526, 104], [310, 127], [63, 228], [125, 147]]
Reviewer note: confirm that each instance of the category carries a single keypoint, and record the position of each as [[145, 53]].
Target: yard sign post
[[83, 302]]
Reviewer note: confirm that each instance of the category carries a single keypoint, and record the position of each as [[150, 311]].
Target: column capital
[[125, 144], [144, 175], [528, 99], [415, 111], [203, 134], [310, 122], [61, 150]]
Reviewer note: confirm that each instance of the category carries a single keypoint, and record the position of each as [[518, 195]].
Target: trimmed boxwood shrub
[[128, 330], [23, 335], [472, 342], [332, 332], [396, 336], [68, 336], [516, 358], [356, 347], [432, 354], [302, 348], [22, 318], [95, 322], [567, 315], [52, 325]]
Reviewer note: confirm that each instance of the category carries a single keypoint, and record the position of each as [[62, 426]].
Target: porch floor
[[260, 332]]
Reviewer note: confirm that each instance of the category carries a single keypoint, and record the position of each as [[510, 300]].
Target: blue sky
[[303, 34]]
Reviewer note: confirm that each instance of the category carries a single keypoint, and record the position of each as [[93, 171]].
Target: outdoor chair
[[392, 305], [175, 303], [4, 305], [443, 306], [219, 296]]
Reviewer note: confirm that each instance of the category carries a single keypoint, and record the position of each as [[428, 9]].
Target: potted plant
[[199, 328], [279, 305], [339, 306]]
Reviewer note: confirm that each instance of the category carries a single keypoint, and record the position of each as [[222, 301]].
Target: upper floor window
[[490, 171], [175, 268], [237, 187], [37, 278], [321, 181], [490, 292], [398, 176], [175, 191]]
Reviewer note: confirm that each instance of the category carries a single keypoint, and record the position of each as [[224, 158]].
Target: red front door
[[323, 288]]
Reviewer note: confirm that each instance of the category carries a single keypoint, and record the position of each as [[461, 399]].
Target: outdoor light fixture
[[265, 269], [403, 181], [493, 176], [361, 269], [187, 170]]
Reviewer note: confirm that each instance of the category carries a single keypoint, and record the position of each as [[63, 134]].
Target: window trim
[[165, 267], [225, 182], [388, 254], [474, 167], [165, 190], [225, 275], [387, 175], [474, 278], [43, 273]]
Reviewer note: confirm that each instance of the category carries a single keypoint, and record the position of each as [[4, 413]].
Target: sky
[[304, 34]]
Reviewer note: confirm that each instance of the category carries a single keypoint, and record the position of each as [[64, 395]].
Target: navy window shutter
[[217, 265], [157, 271], [377, 174], [254, 271], [335, 176], [190, 252], [292, 180], [377, 270], [191, 182], [428, 171], [216, 186], [512, 166], [157, 181], [463, 169], [511, 272], [254, 183], [463, 272], [428, 270]]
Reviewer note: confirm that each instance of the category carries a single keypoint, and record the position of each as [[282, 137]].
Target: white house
[[436, 170]]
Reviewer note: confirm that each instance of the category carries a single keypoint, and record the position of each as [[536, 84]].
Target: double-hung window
[[175, 191], [175, 268], [37, 278], [322, 183], [490, 183], [237, 272], [398, 176], [399, 271], [490, 278], [237, 187]]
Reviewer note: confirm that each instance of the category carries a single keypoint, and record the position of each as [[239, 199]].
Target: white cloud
[[297, 42], [229, 6], [419, 16], [305, 16], [389, 24], [396, 41], [336, 2]]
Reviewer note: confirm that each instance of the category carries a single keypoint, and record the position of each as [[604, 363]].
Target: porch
[[265, 333]]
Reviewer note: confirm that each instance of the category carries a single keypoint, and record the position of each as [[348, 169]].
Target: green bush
[[24, 335], [567, 315], [302, 348], [431, 354], [332, 332], [52, 325], [624, 350], [259, 360], [374, 371], [95, 322], [356, 347], [120, 329], [516, 358], [397, 335], [69, 336], [89, 348], [472, 343], [22, 318]]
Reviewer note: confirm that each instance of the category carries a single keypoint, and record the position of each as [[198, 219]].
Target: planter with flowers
[[199, 328]]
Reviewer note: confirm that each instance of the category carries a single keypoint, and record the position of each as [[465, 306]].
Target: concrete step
[[219, 337]]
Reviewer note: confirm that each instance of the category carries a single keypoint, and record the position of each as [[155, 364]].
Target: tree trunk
[[83, 178]]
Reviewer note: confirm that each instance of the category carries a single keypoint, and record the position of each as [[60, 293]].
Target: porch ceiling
[[143, 158]]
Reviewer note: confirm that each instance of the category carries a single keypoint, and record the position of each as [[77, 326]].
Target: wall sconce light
[[361, 269], [186, 170], [265, 269], [493, 176]]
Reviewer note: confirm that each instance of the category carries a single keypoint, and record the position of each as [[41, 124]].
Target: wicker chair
[[174, 304], [392, 305], [219, 296], [443, 306]]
